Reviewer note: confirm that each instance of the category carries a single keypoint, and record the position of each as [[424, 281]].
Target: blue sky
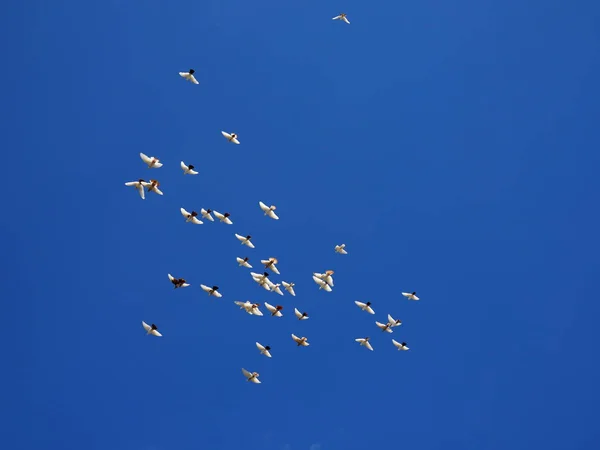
[[452, 146]]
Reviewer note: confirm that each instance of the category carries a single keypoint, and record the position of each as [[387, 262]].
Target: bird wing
[[145, 158]]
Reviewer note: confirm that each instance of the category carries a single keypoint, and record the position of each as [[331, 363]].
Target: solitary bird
[[178, 282], [252, 377], [302, 342], [212, 291], [189, 75], [365, 307], [269, 210], [264, 349], [231, 137], [243, 262], [245, 240], [151, 161], [365, 342], [341, 249], [299, 315], [151, 329], [188, 169], [400, 345], [343, 17]]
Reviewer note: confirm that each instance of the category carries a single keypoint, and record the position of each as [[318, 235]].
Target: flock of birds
[[323, 280]]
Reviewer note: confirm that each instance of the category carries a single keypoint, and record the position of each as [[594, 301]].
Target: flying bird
[[206, 214], [188, 169], [253, 377], [264, 349], [223, 217], [269, 210], [365, 342], [299, 315], [274, 310], [153, 162], [153, 187], [243, 262], [365, 307], [289, 287], [412, 296], [231, 137], [393, 322], [270, 264], [178, 282], [341, 249], [139, 185], [343, 17], [400, 345], [302, 342], [151, 329], [191, 216], [250, 308], [385, 327], [212, 291], [189, 75], [245, 240]]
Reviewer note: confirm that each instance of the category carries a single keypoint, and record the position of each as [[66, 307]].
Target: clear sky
[[453, 147]]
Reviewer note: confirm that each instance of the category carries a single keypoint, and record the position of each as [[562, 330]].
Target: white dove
[[223, 217], [299, 315], [274, 310], [322, 284], [153, 187], [400, 345], [231, 137], [365, 307], [190, 216], [252, 377], [153, 162], [178, 282], [139, 185], [342, 16], [243, 262], [214, 291], [269, 210], [364, 342], [245, 240], [264, 349], [270, 264], [412, 296], [151, 329], [385, 327], [394, 322], [206, 214], [188, 169], [250, 308], [189, 75], [289, 287], [341, 249], [300, 341]]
